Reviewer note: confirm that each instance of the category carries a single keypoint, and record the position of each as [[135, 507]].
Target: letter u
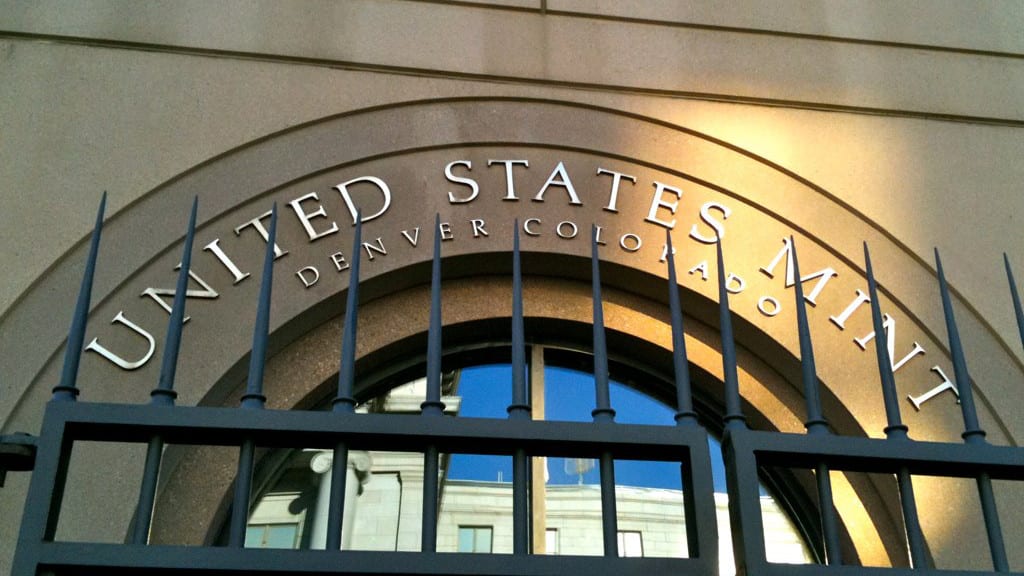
[[120, 362]]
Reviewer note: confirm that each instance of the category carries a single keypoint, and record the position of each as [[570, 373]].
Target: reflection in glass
[[385, 489], [475, 539]]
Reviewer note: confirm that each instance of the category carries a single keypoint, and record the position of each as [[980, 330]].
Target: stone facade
[[898, 124]]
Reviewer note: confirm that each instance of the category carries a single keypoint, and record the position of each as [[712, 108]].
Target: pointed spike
[[961, 377], [520, 407], [1017, 309], [895, 427], [680, 364], [432, 405], [733, 412], [67, 390], [254, 397], [164, 393], [344, 401], [815, 421], [603, 411]]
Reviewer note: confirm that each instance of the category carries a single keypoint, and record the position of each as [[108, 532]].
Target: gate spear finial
[[67, 390]]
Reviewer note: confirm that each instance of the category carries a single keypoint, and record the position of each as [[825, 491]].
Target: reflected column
[[358, 474]]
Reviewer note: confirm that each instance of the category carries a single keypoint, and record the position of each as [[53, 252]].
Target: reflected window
[[475, 539], [631, 544], [272, 535], [551, 541]]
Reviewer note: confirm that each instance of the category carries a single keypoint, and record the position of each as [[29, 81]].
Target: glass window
[[551, 541], [475, 499], [631, 544], [271, 535], [475, 539]]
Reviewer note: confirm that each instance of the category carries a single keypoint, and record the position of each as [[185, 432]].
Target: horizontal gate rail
[[305, 429], [120, 559], [873, 455]]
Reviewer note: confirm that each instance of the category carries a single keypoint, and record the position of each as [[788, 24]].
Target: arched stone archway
[[485, 166]]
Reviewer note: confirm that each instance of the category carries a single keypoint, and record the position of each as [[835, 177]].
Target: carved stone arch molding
[[630, 175]]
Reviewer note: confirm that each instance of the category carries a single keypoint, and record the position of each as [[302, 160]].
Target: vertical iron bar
[[344, 402], [243, 489], [734, 418], [45, 493], [603, 413], [253, 398], [67, 390], [520, 408], [816, 423], [432, 406], [164, 394], [684, 396], [609, 512], [1018, 311], [685, 415], [962, 378], [895, 430], [973, 434], [147, 490]]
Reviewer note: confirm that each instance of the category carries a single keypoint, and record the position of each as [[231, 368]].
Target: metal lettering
[[572, 227], [155, 293], [889, 325], [526, 226], [473, 186], [414, 238], [446, 230], [381, 187], [510, 186], [707, 218], [917, 401], [613, 195], [478, 228], [664, 253], [118, 361], [304, 271], [597, 235], [657, 201], [635, 241], [563, 181], [735, 284], [262, 231], [374, 248], [214, 248], [305, 217], [763, 309], [859, 301], [703, 267], [339, 261], [823, 275]]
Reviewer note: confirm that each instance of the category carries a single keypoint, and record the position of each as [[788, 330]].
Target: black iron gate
[[68, 421]]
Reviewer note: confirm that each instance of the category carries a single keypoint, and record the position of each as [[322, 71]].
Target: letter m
[[823, 275]]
